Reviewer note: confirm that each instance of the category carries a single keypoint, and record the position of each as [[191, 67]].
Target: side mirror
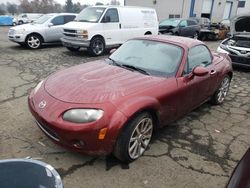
[[181, 26], [50, 24], [200, 71], [112, 50]]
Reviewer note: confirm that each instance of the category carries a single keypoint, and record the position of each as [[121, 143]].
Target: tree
[[11, 8], [114, 2], [25, 6], [77, 7], [68, 6], [98, 3]]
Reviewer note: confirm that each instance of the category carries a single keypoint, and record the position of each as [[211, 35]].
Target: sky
[[90, 2]]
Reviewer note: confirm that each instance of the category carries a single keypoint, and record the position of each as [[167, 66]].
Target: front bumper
[[17, 38], [77, 137], [73, 42], [236, 59]]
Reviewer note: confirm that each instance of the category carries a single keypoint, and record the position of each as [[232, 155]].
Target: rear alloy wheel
[[221, 93], [97, 46], [33, 41], [135, 138], [73, 49], [196, 35]]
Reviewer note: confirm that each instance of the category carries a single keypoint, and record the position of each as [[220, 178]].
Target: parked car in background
[[237, 46], [113, 105], [207, 32], [202, 21], [27, 18], [46, 29], [180, 27], [99, 27], [6, 20], [225, 22]]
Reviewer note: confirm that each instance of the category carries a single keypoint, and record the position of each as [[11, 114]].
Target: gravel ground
[[199, 150]]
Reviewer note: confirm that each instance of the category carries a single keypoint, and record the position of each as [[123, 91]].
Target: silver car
[[45, 29]]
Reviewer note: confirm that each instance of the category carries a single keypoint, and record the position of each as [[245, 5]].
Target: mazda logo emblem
[[42, 104]]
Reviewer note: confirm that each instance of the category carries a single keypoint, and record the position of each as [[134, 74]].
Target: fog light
[[78, 143], [102, 133]]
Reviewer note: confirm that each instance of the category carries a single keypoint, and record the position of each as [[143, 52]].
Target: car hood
[[96, 82], [78, 25], [27, 27], [240, 26]]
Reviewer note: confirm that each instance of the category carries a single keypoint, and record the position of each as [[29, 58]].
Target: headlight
[[38, 86], [20, 31], [82, 33], [82, 115]]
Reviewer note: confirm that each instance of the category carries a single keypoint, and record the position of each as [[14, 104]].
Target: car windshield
[[170, 22], [90, 14], [152, 57], [43, 19]]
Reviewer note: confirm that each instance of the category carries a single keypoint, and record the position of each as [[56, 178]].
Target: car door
[[195, 90], [192, 27], [111, 27], [183, 29], [54, 30]]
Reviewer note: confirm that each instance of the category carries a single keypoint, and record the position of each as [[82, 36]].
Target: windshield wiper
[[128, 66], [114, 62], [135, 68]]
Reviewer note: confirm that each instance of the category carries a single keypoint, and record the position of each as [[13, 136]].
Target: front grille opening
[[48, 131]]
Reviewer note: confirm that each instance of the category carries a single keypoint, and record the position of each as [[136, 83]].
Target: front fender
[[134, 105], [125, 111]]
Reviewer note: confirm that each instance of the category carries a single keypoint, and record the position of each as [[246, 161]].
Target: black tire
[[20, 22], [33, 41], [130, 140], [73, 49], [196, 35], [97, 46], [221, 92]]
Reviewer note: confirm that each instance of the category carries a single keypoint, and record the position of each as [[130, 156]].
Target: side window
[[69, 18], [111, 15], [191, 22], [24, 16], [59, 20], [198, 56], [183, 23]]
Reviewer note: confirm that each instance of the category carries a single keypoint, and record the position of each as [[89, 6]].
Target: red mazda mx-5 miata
[[113, 105]]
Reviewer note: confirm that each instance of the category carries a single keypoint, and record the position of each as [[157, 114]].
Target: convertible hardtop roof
[[180, 41]]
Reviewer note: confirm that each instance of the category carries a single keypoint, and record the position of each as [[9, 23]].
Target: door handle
[[212, 72]]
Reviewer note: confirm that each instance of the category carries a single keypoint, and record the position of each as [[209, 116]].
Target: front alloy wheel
[[34, 41], [221, 93], [135, 138], [97, 46]]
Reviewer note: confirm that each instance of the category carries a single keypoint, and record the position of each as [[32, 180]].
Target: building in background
[[216, 10], [243, 7]]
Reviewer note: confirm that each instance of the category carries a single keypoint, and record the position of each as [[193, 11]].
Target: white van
[[100, 27], [27, 17]]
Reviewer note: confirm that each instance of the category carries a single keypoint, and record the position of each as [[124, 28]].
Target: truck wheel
[[135, 138], [73, 49], [97, 46], [33, 41]]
